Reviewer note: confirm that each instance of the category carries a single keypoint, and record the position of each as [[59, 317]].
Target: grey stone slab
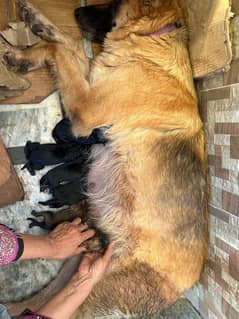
[[17, 155], [17, 125], [29, 123], [182, 309]]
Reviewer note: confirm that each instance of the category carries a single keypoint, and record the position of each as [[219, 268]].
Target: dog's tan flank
[[147, 185]]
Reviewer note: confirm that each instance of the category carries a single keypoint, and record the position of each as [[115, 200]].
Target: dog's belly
[[102, 180], [110, 195]]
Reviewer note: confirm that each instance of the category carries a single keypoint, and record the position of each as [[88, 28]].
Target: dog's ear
[[94, 22]]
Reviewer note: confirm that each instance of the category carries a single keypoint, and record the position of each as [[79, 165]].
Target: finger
[[63, 224], [87, 259], [87, 234], [76, 221], [83, 227], [109, 252]]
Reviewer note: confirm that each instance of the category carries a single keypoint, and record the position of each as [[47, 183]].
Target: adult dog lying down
[[147, 185]]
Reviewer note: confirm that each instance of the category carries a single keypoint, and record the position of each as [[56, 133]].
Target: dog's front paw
[[15, 62]]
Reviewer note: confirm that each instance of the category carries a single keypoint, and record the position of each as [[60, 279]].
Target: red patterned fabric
[[28, 314], [9, 246]]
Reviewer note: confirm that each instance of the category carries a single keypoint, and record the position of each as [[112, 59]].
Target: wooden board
[[10, 187]]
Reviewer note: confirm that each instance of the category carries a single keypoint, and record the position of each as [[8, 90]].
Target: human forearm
[[36, 247], [64, 241], [66, 302]]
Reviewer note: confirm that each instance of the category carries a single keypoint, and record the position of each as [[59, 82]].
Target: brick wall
[[217, 294]]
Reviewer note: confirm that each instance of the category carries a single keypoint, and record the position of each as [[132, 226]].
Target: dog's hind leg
[[41, 26], [133, 291]]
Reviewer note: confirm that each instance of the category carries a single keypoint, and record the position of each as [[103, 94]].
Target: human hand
[[94, 265], [92, 268], [66, 238]]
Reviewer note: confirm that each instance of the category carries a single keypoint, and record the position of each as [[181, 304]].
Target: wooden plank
[[41, 86], [97, 2], [3, 14], [10, 187]]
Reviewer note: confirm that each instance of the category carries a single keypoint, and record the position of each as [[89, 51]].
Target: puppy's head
[[96, 21], [136, 15]]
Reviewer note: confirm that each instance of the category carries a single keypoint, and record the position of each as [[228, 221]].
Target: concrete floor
[[19, 123]]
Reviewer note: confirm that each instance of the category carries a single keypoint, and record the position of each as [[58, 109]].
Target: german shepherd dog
[[147, 187]]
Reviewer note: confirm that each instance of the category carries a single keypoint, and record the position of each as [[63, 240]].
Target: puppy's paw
[[43, 219], [93, 244], [15, 62]]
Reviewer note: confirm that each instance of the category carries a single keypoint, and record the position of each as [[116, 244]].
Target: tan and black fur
[[147, 185]]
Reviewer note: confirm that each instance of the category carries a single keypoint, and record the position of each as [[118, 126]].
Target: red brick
[[222, 173], [211, 159], [219, 214], [229, 311], [221, 282], [234, 265], [227, 128], [218, 150], [216, 94], [216, 160], [234, 148], [218, 274], [230, 202], [223, 245]]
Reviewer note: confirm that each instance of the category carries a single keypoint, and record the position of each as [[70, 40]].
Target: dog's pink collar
[[167, 28]]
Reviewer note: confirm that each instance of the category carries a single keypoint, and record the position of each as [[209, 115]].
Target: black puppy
[[67, 194], [67, 148], [66, 182], [40, 155], [95, 21], [65, 173]]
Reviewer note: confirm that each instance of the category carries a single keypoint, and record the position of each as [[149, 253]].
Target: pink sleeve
[[9, 246]]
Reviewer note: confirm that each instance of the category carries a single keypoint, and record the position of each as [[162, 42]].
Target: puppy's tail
[[38, 300]]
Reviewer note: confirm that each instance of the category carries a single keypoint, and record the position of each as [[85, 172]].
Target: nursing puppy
[[147, 185]]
